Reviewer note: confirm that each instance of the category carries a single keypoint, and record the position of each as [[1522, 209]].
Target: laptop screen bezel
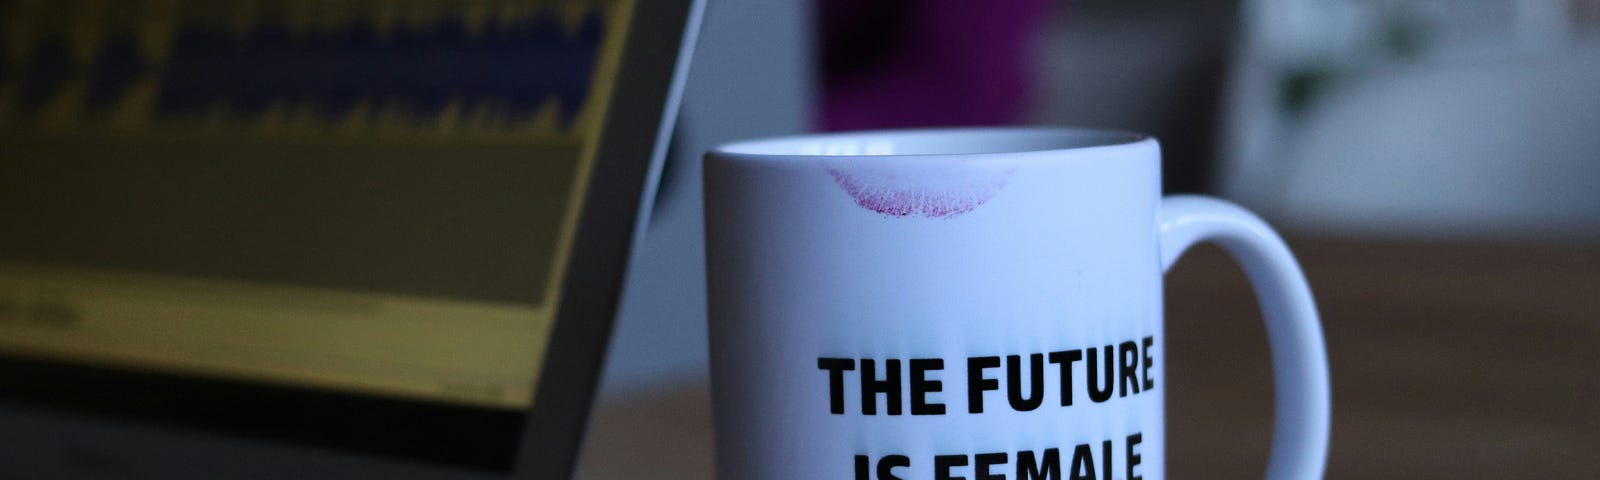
[[615, 212]]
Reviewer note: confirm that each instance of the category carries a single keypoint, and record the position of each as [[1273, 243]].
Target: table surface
[[1447, 362]]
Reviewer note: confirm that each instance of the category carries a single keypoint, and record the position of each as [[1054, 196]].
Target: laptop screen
[[342, 224]]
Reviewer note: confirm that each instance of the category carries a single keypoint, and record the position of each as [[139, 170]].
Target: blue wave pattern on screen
[[516, 66]]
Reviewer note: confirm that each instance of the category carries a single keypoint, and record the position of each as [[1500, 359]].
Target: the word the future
[[1017, 383]]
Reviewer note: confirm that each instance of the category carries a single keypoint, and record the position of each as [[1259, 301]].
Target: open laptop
[[301, 239]]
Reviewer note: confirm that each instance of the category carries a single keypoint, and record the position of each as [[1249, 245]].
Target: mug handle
[[1299, 360]]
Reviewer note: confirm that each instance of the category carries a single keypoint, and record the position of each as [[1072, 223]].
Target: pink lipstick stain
[[922, 188]]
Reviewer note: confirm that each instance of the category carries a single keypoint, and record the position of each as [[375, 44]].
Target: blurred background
[[1435, 163]]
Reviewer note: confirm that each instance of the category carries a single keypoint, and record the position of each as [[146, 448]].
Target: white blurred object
[[1489, 128], [1505, 149]]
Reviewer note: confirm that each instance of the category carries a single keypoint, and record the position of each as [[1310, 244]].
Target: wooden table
[[1447, 361]]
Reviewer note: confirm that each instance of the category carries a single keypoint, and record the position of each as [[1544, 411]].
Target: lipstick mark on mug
[[919, 188]]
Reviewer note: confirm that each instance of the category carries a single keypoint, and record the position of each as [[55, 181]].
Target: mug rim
[[983, 141]]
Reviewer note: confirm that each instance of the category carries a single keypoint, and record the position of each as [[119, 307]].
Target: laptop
[[298, 239]]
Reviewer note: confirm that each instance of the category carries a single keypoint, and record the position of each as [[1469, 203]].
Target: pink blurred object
[[891, 64]]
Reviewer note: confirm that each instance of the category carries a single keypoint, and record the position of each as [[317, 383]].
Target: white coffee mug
[[970, 303]]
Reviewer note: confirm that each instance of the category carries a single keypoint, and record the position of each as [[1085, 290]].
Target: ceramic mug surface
[[970, 303]]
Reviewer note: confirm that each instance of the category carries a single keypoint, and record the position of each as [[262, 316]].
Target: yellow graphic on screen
[[365, 196]]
